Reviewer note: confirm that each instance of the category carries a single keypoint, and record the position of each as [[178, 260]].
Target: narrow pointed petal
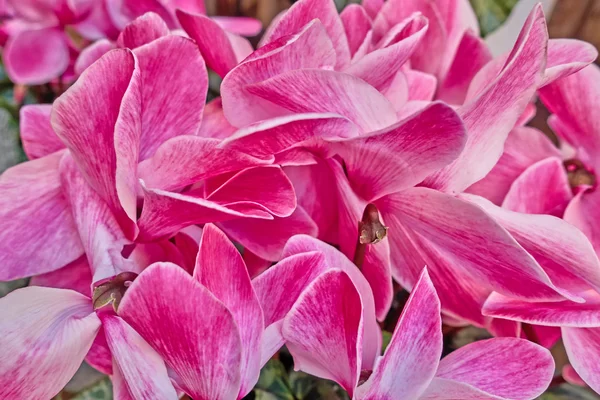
[[104, 105], [566, 57], [490, 116], [357, 24], [37, 136], [46, 333], [323, 331], [202, 348], [91, 54], [38, 232], [582, 211], [75, 276], [143, 30], [143, 371], [220, 268], [582, 348], [412, 357]]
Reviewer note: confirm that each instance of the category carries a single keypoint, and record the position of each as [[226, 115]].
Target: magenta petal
[[36, 57], [142, 369], [198, 338], [92, 53], [143, 30], [357, 24], [412, 357], [567, 56], [104, 105], [221, 270], [490, 116], [323, 331], [37, 136], [582, 348], [38, 232], [45, 333]]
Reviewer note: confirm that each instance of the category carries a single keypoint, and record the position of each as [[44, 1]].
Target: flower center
[[579, 175], [112, 291]]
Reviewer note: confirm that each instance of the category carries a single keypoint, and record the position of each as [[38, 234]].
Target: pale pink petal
[[37, 136], [357, 24], [213, 42], [214, 123], [571, 376], [567, 56], [92, 53], [143, 30], [421, 86], [323, 330], [309, 48], [221, 270], [244, 26], [582, 348], [75, 276], [321, 91], [582, 212], [490, 116], [198, 338], [98, 118], [305, 11], [34, 57], [45, 333], [412, 357], [143, 371], [38, 232], [542, 189]]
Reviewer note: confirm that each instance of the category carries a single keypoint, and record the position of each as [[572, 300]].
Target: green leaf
[[492, 13]]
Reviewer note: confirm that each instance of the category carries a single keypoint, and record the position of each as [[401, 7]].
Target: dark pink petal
[[37, 136], [143, 371], [38, 232], [542, 189], [305, 11], [421, 86], [221, 270], [403, 154], [309, 48], [379, 67], [357, 24], [582, 212], [323, 330], [45, 333], [412, 357], [524, 147], [492, 367], [564, 253], [143, 30], [174, 83], [567, 56], [34, 57], [92, 53], [214, 43], [582, 348], [189, 328], [321, 91], [490, 116], [98, 118], [75, 276]]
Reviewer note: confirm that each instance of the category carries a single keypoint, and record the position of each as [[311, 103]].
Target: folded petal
[[38, 232], [567, 56], [411, 359], [582, 348], [34, 57], [220, 268], [357, 24], [144, 372], [490, 116], [76, 276], [37, 136], [323, 330], [98, 118], [92, 53], [46, 333], [143, 30], [582, 212], [202, 348]]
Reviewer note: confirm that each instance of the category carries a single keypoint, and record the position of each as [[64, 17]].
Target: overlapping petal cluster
[[177, 246]]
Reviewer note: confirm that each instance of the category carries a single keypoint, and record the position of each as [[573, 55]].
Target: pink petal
[[91, 54], [244, 26], [202, 348], [38, 233], [104, 104], [567, 56], [542, 189], [37, 136], [221, 270], [323, 330], [403, 154], [524, 147], [46, 333], [142, 369], [357, 24], [491, 367], [143, 30], [412, 357], [75, 276], [305, 11], [582, 212], [34, 57], [321, 91], [491, 115], [582, 348], [213, 42], [309, 48], [421, 86]]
